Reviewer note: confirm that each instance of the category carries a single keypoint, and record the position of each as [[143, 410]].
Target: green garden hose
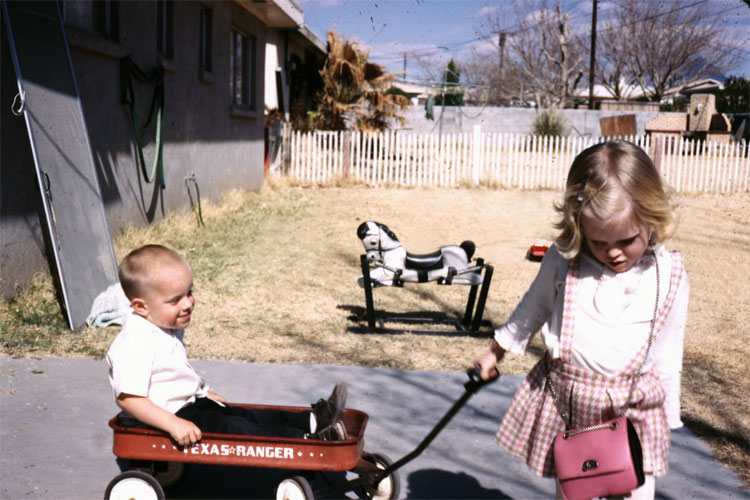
[[192, 177], [128, 71]]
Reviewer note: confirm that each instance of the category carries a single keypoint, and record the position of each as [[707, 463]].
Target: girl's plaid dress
[[532, 421]]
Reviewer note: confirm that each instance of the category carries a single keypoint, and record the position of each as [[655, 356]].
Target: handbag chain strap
[[636, 377], [575, 432]]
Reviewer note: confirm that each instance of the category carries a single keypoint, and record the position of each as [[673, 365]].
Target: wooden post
[[346, 153], [286, 153], [658, 150]]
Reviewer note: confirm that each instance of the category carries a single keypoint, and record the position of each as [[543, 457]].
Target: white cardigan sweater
[[613, 318]]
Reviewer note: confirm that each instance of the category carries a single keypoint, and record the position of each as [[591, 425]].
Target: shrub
[[549, 123]]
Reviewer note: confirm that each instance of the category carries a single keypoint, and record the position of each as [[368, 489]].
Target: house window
[[164, 23], [206, 34], [106, 14], [242, 70], [98, 16]]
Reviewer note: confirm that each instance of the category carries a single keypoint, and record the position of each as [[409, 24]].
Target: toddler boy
[[155, 385]]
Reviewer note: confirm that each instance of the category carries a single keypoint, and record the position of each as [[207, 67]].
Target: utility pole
[[404, 66], [501, 43], [502, 35], [592, 60]]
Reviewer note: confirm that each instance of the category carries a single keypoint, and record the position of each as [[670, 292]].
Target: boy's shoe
[[328, 412], [335, 432]]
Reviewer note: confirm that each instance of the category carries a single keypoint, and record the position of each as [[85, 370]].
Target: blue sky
[[437, 30]]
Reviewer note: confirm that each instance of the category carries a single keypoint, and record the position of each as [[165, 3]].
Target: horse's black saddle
[[424, 262], [434, 260]]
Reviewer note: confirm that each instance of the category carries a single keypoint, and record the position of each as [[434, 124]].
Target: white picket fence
[[498, 160]]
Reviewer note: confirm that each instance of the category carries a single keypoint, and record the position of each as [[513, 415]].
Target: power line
[[432, 51], [440, 85], [456, 45], [654, 16]]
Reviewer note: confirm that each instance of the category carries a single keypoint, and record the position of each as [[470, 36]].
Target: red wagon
[[160, 462]]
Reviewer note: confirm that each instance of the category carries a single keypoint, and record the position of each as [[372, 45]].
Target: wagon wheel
[[294, 488], [134, 484], [390, 486], [168, 473]]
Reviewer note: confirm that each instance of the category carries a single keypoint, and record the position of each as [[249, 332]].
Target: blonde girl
[[594, 300]]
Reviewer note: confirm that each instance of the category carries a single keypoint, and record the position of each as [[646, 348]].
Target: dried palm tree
[[354, 93]]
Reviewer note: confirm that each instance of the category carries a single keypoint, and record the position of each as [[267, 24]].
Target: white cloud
[[320, 3], [487, 11]]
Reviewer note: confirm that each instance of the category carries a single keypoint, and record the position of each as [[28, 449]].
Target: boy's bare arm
[[182, 431]]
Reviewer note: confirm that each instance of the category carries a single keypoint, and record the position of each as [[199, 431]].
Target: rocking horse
[[392, 265]]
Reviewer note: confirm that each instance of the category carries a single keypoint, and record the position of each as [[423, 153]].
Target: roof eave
[[275, 13], [311, 37]]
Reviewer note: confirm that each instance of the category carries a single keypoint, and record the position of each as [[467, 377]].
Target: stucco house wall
[[204, 134]]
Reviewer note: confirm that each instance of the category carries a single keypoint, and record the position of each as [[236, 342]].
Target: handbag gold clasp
[[590, 465]]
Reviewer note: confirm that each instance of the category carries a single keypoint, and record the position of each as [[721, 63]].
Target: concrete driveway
[[55, 443]]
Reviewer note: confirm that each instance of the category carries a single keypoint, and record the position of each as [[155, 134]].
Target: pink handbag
[[599, 460]]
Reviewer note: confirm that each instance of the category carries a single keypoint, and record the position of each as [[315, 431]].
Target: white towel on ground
[[109, 307]]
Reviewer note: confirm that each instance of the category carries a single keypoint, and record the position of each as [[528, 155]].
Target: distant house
[[632, 98], [416, 93], [702, 86], [225, 64]]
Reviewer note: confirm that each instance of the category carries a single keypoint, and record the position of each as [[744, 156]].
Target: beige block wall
[[702, 108], [676, 122]]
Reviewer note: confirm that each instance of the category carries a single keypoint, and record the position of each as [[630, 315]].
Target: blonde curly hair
[[602, 179]]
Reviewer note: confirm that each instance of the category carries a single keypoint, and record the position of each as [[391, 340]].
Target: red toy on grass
[[536, 251]]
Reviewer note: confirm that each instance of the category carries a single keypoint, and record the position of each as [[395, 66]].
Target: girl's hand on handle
[[487, 363], [487, 366]]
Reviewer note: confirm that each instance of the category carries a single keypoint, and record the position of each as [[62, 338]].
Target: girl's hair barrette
[[579, 198]]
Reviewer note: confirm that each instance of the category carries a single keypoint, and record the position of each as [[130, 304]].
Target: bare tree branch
[[546, 58], [670, 43]]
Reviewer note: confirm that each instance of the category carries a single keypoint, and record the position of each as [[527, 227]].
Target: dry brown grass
[[276, 271]]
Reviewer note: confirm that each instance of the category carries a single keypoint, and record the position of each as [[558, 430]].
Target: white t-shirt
[[612, 319], [145, 360]]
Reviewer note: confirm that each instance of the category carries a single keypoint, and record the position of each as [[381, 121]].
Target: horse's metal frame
[[470, 323]]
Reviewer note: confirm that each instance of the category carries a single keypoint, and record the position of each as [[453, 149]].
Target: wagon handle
[[474, 383]]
